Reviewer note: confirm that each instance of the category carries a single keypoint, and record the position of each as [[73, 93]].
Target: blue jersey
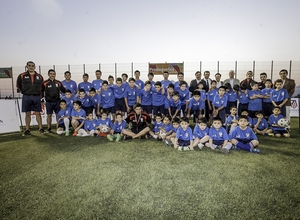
[[69, 101], [85, 101], [184, 95], [250, 121], [279, 95], [246, 135], [218, 135], [97, 84], [165, 84], [174, 104], [139, 83], [95, 100], [194, 105], [86, 86], [254, 104], [198, 133], [158, 98], [274, 120], [118, 127], [262, 125], [230, 118], [185, 135], [62, 114], [146, 97], [211, 94], [89, 125], [71, 85], [119, 92], [107, 98], [174, 129], [131, 94], [220, 101], [156, 126], [243, 98], [267, 91], [177, 85], [167, 127], [80, 113], [102, 122], [232, 95]]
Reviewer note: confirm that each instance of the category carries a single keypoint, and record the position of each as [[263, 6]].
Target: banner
[[6, 72], [9, 116], [294, 107], [159, 68]]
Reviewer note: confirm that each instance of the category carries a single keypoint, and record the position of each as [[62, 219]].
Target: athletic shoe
[[42, 131], [67, 133], [224, 150], [185, 148], [255, 150], [74, 134], [109, 137], [27, 132], [167, 142], [180, 148], [271, 134], [200, 145], [48, 130], [118, 137]]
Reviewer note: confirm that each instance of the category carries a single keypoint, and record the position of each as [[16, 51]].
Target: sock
[[67, 123], [243, 146], [60, 132]]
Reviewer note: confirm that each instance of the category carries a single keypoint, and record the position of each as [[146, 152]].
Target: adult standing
[[97, 83], [165, 82], [263, 77], [218, 80], [289, 85], [194, 82], [69, 84], [207, 83], [51, 89], [249, 79], [29, 84], [233, 81]]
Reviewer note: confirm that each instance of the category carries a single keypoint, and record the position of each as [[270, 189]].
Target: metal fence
[[272, 68]]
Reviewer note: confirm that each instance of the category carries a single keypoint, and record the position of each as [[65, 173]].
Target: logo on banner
[[294, 104]]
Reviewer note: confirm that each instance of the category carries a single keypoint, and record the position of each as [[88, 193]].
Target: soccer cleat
[[74, 134], [109, 137], [48, 130], [67, 133], [255, 150], [118, 137], [200, 145], [27, 132], [42, 131], [180, 148], [224, 150], [271, 134], [167, 142], [185, 148]]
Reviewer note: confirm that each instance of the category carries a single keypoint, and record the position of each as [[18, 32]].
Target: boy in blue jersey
[[184, 96], [85, 85], [243, 98], [255, 99], [110, 80], [158, 98], [124, 79], [243, 137], [165, 82], [279, 96], [146, 98], [168, 93], [260, 124], [89, 126], [139, 83], [69, 84], [175, 126], [95, 100], [201, 132], [174, 105], [108, 98], [117, 128], [103, 124], [85, 101], [63, 119], [232, 94], [166, 129], [250, 121], [210, 97], [267, 106], [184, 136], [277, 130], [218, 137], [219, 104], [78, 116], [69, 98], [131, 95], [119, 92], [194, 107], [156, 125], [97, 83], [232, 119], [150, 78]]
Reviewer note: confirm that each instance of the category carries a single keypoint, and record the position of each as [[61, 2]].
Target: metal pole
[[115, 70], [290, 75], [218, 67], [201, 66], [54, 67], [272, 69], [83, 68], [235, 69], [100, 66], [131, 69], [69, 67], [40, 70], [12, 83], [253, 68]]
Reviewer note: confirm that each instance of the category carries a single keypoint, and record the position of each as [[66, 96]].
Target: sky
[[117, 31]]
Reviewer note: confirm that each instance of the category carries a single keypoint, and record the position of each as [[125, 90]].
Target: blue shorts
[[183, 143], [31, 103], [120, 105], [52, 107], [147, 108], [110, 109], [281, 132], [159, 109]]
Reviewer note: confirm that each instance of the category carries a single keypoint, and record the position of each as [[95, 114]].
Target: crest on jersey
[[220, 134]]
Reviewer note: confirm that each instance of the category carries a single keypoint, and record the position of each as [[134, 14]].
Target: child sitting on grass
[[231, 121], [200, 133], [156, 125], [78, 116], [63, 119], [277, 130], [261, 125], [175, 126], [118, 126], [166, 128], [243, 137], [88, 127], [104, 124], [184, 136]]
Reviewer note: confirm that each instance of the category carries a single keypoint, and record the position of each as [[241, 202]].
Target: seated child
[[63, 119], [175, 126], [78, 116], [243, 137], [277, 130], [218, 137], [261, 125], [184, 136], [88, 126], [156, 124], [200, 133], [118, 126], [232, 119], [104, 124], [166, 128]]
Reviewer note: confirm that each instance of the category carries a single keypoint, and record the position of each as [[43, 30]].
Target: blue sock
[[243, 146]]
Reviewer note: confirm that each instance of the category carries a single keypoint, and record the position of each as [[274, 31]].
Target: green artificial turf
[[57, 177]]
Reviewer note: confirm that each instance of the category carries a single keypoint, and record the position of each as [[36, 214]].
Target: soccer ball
[[104, 129], [283, 122], [162, 134]]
